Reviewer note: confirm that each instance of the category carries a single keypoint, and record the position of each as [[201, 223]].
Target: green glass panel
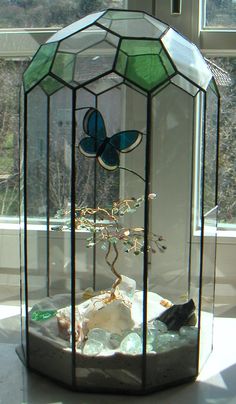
[[40, 65], [146, 71], [166, 63], [63, 66], [121, 63], [50, 85], [140, 47], [146, 63]]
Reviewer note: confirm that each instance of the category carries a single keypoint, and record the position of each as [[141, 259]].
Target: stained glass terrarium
[[118, 205]]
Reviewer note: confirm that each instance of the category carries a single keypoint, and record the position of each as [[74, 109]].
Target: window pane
[[227, 167], [10, 82], [49, 13], [220, 14]]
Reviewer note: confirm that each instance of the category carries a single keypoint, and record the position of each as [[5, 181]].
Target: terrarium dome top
[[125, 46]]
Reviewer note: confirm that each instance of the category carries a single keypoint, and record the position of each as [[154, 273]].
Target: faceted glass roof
[[132, 45]]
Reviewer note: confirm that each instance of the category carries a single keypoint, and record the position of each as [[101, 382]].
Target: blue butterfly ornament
[[106, 149]]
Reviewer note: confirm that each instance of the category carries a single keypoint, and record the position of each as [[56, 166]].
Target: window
[[220, 14], [24, 25], [211, 24]]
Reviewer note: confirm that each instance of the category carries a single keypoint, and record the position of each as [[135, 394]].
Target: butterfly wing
[[94, 127], [126, 141], [109, 158], [88, 146]]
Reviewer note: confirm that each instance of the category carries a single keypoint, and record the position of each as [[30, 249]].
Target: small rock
[[178, 315], [127, 287]]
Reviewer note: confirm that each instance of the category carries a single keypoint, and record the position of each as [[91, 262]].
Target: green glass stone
[[40, 65], [92, 347], [98, 334], [131, 344], [115, 340], [149, 348], [151, 334], [160, 327], [50, 85], [42, 315], [63, 66], [167, 341], [190, 333]]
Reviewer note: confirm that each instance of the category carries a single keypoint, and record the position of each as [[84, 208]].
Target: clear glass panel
[[187, 58], [211, 136], [122, 15], [225, 75], [22, 225], [83, 40], [75, 27], [99, 58], [49, 254], [36, 155], [174, 335], [10, 80], [197, 193], [143, 62], [220, 14], [172, 175], [132, 24], [209, 227], [105, 83], [181, 82], [59, 190], [208, 285]]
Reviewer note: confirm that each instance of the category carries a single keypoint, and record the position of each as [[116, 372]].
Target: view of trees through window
[[49, 13], [227, 167], [220, 14], [10, 83]]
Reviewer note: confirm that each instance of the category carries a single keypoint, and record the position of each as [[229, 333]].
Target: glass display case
[[118, 144]]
